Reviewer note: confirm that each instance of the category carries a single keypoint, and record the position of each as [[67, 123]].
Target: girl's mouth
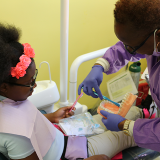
[[31, 92]]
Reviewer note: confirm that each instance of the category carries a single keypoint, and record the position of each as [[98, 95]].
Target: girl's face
[[20, 93], [133, 38]]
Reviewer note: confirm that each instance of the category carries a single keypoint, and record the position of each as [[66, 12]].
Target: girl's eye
[[29, 83]]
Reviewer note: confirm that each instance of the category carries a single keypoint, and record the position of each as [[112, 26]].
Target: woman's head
[[11, 51], [136, 21]]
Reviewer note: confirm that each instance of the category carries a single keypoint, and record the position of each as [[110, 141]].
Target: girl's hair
[[10, 51], [142, 14]]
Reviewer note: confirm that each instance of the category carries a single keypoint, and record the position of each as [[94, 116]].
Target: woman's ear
[[158, 39], [158, 34]]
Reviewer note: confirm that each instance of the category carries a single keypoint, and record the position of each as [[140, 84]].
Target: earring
[[157, 46]]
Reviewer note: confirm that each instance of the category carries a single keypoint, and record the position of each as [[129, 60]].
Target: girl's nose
[[35, 85]]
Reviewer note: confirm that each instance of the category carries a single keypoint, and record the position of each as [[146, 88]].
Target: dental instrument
[[125, 105], [76, 102], [105, 98]]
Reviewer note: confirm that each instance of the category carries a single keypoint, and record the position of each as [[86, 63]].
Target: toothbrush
[[117, 104], [76, 102], [104, 97]]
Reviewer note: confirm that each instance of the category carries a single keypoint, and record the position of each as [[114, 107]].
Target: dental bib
[[22, 118]]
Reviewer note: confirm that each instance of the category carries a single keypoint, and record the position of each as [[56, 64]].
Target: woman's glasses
[[132, 50], [32, 83]]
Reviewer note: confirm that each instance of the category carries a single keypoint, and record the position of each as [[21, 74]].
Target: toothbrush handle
[[117, 104], [75, 102], [72, 106]]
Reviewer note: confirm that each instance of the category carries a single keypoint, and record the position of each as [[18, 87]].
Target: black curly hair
[[10, 51], [142, 14]]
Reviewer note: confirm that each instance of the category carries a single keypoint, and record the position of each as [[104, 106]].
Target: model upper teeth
[[122, 103]]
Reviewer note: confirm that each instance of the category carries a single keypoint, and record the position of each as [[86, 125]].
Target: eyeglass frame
[[136, 48], [31, 85]]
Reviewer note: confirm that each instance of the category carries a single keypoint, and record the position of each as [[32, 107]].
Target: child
[[25, 133]]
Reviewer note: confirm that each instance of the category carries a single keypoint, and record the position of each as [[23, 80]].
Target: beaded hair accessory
[[25, 60]]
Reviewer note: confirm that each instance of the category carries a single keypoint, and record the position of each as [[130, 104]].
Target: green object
[[135, 71], [135, 67]]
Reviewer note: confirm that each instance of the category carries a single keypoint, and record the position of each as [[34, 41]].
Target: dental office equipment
[[125, 105], [46, 93], [48, 69], [76, 101]]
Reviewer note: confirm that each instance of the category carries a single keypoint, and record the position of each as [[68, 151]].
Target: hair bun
[[9, 33]]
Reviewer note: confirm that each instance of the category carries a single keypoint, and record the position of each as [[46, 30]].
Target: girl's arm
[[59, 114]]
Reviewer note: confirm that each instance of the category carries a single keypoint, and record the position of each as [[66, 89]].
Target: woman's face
[[20, 93], [133, 38]]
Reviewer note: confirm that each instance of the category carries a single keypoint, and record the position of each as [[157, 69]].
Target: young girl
[[25, 133]]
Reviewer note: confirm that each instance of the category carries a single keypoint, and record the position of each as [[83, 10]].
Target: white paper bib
[[23, 118]]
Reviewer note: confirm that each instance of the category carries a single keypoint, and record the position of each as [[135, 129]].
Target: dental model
[[125, 105]]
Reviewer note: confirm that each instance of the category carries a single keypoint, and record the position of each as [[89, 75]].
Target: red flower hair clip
[[25, 60]]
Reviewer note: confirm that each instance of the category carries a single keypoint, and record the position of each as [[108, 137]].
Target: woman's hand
[[98, 157], [114, 122], [93, 80], [60, 114]]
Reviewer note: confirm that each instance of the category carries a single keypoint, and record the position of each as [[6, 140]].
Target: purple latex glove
[[93, 80], [112, 120]]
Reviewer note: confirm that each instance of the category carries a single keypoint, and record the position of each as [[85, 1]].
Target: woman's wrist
[[104, 63], [97, 64], [121, 124]]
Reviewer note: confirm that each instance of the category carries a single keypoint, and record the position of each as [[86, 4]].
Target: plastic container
[[135, 71]]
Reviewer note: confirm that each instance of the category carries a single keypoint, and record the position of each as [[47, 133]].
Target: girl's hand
[[60, 114], [63, 113]]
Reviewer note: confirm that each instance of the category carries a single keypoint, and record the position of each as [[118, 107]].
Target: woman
[[137, 26]]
